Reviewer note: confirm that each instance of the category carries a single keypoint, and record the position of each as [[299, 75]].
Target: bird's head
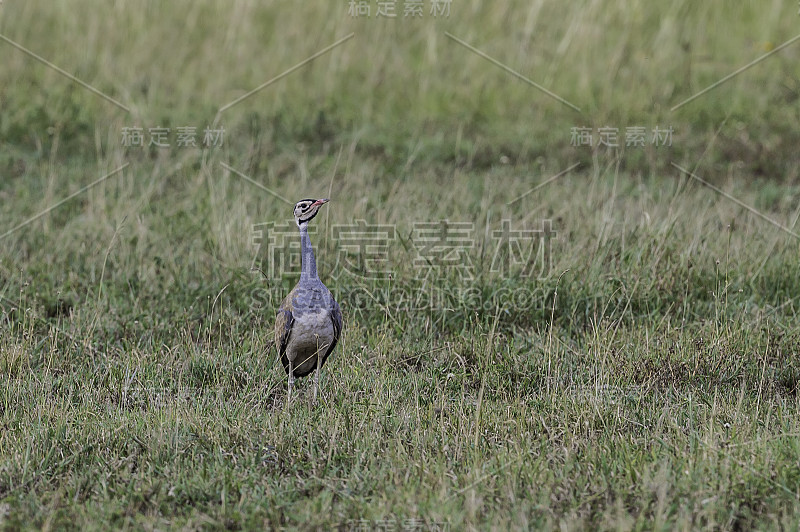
[[305, 210]]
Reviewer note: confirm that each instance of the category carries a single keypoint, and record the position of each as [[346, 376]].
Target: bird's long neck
[[308, 265]]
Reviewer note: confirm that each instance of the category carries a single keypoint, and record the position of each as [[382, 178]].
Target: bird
[[308, 323]]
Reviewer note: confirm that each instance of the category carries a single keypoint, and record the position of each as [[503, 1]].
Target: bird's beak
[[320, 202]]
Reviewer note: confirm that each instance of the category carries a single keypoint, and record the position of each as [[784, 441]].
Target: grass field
[[636, 368]]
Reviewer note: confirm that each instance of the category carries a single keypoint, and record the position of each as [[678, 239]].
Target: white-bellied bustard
[[309, 320]]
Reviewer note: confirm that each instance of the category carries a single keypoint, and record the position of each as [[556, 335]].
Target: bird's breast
[[310, 326], [312, 335]]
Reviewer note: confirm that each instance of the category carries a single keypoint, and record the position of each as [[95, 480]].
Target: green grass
[[647, 378]]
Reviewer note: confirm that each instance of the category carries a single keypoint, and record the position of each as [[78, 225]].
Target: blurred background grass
[[400, 87]]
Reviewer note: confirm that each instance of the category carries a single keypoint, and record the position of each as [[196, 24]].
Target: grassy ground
[[639, 371]]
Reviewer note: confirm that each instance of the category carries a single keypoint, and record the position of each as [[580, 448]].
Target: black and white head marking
[[305, 210]]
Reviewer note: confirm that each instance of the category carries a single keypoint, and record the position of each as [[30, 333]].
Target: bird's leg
[[316, 382], [316, 375], [291, 382]]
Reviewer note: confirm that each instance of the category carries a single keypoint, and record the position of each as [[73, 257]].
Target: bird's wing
[[284, 322], [336, 320]]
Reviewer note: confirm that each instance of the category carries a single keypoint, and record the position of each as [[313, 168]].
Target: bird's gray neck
[[308, 264]]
